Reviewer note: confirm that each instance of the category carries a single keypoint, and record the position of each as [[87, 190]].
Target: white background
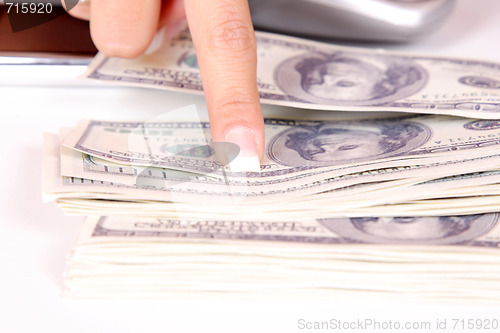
[[35, 237]]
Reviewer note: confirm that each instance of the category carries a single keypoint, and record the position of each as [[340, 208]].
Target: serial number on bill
[[28, 7]]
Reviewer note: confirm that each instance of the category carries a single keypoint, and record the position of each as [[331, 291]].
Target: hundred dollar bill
[[306, 74], [84, 177], [464, 194], [293, 147], [437, 257], [80, 165], [477, 230], [77, 164]]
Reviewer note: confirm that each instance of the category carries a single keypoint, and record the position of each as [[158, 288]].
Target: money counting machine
[[363, 20]]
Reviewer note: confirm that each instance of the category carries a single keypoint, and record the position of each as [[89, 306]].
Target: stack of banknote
[[394, 205], [417, 165]]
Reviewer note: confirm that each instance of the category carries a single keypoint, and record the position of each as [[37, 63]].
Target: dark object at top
[[360, 20]]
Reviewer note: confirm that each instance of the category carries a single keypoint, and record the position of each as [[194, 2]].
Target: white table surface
[[35, 236]]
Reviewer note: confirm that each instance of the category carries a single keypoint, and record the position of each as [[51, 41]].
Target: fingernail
[[247, 159], [166, 34]]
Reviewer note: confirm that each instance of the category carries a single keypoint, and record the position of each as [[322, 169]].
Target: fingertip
[[118, 44], [240, 139], [246, 157], [127, 50], [80, 11], [123, 28]]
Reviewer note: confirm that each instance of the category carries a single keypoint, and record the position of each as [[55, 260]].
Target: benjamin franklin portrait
[[413, 230], [333, 144], [348, 78]]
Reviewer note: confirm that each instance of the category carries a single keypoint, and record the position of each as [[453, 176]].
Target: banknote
[[433, 257], [293, 146], [307, 74], [440, 177], [161, 185], [465, 194], [413, 173], [80, 165], [94, 203], [373, 187], [477, 230]]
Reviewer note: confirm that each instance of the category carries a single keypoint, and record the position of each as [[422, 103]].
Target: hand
[[225, 45]]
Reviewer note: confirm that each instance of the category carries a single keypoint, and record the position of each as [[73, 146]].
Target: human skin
[[225, 45]]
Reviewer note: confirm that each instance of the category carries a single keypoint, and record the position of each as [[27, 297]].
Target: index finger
[[226, 49]]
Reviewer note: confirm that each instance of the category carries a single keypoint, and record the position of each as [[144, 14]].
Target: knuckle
[[234, 102], [229, 32]]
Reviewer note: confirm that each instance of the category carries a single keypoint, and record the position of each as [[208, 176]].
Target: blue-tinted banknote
[[306, 74], [431, 165], [292, 146]]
